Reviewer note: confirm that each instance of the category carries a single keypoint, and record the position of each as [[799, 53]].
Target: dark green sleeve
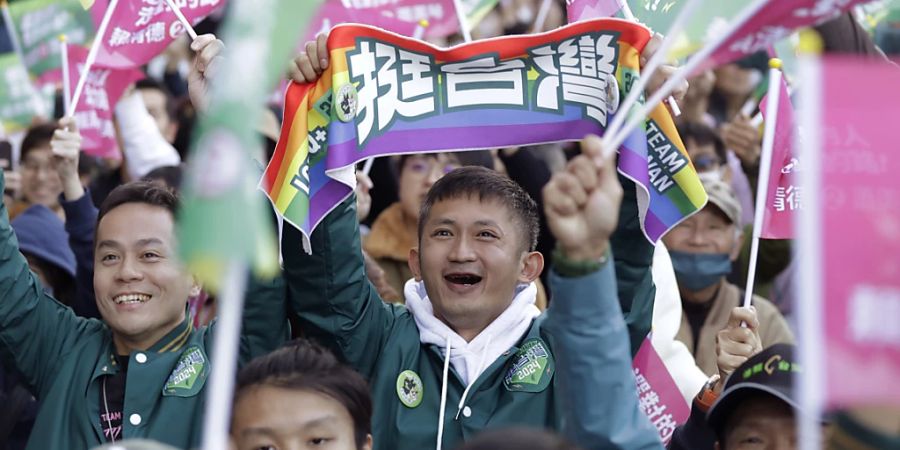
[[330, 293], [633, 255], [36, 331], [264, 325]]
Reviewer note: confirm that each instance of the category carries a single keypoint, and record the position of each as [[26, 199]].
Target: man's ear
[[196, 286], [532, 266], [413, 261], [368, 444]]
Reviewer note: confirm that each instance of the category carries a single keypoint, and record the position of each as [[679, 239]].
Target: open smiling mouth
[[127, 299], [465, 279]]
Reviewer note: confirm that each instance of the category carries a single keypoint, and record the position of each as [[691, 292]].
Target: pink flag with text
[[659, 396], [783, 193], [94, 113], [860, 231], [772, 21], [141, 29], [591, 9], [399, 16]]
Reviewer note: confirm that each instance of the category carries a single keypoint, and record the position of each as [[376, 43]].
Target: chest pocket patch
[[531, 368], [189, 375]]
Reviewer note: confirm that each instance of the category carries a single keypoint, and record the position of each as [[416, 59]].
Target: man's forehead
[[470, 210], [133, 224]]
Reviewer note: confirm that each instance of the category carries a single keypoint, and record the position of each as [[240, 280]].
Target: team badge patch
[[531, 368], [189, 375], [410, 388]]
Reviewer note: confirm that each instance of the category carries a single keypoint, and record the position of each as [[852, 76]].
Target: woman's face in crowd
[[417, 175], [276, 418], [40, 182]]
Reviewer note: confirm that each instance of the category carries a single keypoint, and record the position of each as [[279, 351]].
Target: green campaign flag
[[39, 23], [706, 22], [224, 217], [19, 101]]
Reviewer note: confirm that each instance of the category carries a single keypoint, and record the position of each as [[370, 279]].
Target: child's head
[[300, 396]]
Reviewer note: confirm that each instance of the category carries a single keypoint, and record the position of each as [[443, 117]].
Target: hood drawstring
[[481, 361], [440, 433]]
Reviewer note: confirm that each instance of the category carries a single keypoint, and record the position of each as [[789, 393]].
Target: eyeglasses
[[705, 163], [424, 166], [35, 167]]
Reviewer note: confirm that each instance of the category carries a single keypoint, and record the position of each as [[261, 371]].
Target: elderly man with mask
[[703, 248]]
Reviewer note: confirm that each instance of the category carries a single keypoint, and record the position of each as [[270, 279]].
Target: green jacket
[[340, 308], [63, 359]]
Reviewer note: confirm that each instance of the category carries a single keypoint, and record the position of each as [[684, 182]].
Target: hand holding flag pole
[[765, 165]]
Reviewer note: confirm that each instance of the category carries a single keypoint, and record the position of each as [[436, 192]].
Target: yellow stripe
[[182, 336]]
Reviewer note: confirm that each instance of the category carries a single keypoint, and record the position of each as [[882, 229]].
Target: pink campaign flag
[[94, 113], [141, 29], [398, 16], [783, 193], [659, 396], [770, 22], [591, 9], [859, 236]]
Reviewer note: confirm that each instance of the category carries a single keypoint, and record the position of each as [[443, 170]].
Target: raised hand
[[582, 203], [66, 147], [736, 343], [309, 65], [207, 60]]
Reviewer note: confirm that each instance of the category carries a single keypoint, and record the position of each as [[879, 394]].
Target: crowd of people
[[470, 300]]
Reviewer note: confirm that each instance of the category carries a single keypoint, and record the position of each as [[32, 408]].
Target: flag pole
[[91, 57], [765, 169], [64, 57], [463, 22], [542, 16], [227, 340], [187, 25], [658, 58], [808, 293], [614, 141]]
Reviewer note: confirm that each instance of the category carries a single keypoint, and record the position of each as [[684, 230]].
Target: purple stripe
[[323, 201], [653, 227], [462, 138]]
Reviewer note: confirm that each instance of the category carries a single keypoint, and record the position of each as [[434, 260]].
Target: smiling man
[[141, 371], [469, 351]]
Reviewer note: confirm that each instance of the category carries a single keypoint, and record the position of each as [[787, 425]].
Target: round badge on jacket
[[410, 389]]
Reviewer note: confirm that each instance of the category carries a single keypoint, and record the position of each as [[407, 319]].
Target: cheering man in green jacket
[[469, 350], [140, 372]]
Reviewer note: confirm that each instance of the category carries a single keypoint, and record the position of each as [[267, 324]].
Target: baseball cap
[[722, 196], [770, 371]]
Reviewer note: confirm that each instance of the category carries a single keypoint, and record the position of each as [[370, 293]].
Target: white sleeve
[[666, 321], [143, 145]]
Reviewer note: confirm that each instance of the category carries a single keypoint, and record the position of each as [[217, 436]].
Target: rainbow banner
[[384, 94]]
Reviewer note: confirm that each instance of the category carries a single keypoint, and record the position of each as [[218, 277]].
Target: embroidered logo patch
[[410, 389], [531, 368], [189, 375]]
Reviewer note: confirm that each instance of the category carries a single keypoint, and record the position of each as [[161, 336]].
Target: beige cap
[[721, 195]]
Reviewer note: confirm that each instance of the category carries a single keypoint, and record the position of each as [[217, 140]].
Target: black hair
[[518, 439], [152, 84], [486, 184], [702, 134], [140, 192], [38, 135], [304, 366], [171, 176]]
